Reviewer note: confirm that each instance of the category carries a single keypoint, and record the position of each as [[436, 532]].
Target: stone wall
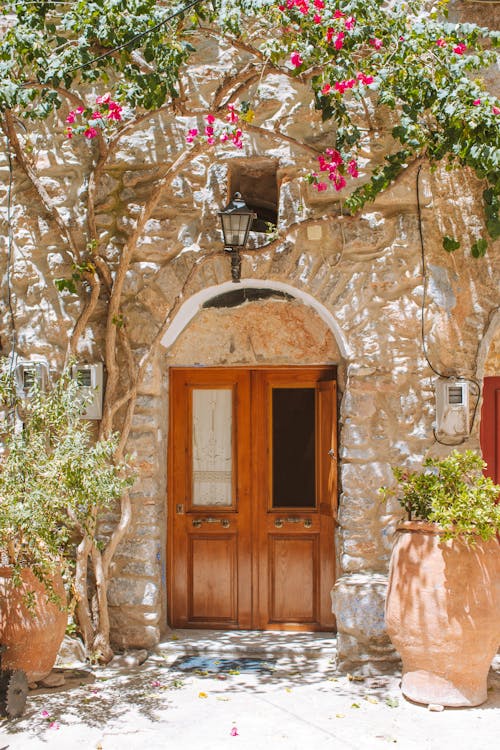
[[356, 297]]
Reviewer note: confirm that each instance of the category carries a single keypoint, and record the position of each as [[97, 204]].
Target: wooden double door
[[252, 498]]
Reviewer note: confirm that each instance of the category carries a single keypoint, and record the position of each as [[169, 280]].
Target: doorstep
[[249, 643]]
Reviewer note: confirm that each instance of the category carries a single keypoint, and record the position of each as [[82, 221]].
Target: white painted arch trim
[[191, 307]]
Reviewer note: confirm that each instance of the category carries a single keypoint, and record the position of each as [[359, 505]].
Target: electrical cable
[[137, 37], [422, 324], [10, 245]]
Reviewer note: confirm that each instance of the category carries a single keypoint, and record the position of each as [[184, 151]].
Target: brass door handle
[[292, 519], [198, 521]]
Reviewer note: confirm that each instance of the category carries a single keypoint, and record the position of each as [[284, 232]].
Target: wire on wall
[[422, 322], [10, 249]]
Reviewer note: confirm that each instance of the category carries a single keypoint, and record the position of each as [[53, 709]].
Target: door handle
[[292, 519], [198, 521]]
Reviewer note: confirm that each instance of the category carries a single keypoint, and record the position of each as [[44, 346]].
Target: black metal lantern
[[236, 220]]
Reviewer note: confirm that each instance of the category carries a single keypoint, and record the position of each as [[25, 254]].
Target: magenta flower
[[352, 168], [104, 99], [440, 42], [339, 40], [191, 135], [296, 59], [476, 102], [90, 133], [364, 79], [460, 48], [350, 23], [69, 132], [71, 116], [320, 186], [326, 89], [338, 14], [234, 732], [339, 181], [232, 116], [495, 110], [319, 4], [377, 43], [96, 116], [335, 156], [79, 110], [317, 18], [45, 714], [210, 119]]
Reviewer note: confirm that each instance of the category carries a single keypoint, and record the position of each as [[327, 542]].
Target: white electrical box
[[91, 381], [30, 374], [452, 407]]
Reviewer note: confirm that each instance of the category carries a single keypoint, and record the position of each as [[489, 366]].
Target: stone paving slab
[[301, 703]]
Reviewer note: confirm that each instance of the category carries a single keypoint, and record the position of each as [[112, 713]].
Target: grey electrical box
[[452, 407], [31, 374], [91, 380]]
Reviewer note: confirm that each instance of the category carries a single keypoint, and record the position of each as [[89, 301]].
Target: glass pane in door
[[212, 448], [294, 448]]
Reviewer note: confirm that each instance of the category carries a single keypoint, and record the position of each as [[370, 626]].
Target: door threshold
[[249, 643]]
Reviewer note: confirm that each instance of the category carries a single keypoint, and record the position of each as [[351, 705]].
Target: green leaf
[[450, 244], [478, 249]]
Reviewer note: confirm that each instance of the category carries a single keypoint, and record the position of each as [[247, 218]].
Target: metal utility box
[[452, 407], [91, 381], [30, 374]]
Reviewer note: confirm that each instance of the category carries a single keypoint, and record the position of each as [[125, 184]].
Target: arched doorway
[[252, 465]]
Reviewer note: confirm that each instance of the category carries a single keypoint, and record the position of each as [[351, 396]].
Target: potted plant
[[443, 598], [53, 476]]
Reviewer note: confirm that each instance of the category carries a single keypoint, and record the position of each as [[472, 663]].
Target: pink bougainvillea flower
[[79, 110], [104, 99], [460, 48], [210, 119], [191, 135], [495, 110], [317, 18], [115, 114], [329, 34], [54, 725], [326, 89], [338, 181], [352, 168], [320, 186], [90, 133], [377, 43], [338, 14], [45, 714], [440, 42], [281, 8], [209, 130], [71, 117], [364, 78], [224, 136], [339, 40], [96, 116], [234, 732], [69, 132], [296, 59], [335, 156], [476, 102], [350, 23], [319, 4], [232, 116]]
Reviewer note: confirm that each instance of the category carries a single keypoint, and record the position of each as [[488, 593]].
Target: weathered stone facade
[[355, 297]]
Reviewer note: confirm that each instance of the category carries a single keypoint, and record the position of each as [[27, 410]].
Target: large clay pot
[[32, 637], [443, 614]]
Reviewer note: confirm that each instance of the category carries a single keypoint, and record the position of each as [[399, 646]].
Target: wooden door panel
[[212, 579], [293, 575], [490, 427], [295, 544]]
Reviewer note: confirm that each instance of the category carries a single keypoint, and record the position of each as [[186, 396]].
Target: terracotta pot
[[32, 639], [443, 614]]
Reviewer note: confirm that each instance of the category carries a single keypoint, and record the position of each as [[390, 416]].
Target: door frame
[[327, 373]]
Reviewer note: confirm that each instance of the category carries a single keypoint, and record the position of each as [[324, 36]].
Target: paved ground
[[295, 700]]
